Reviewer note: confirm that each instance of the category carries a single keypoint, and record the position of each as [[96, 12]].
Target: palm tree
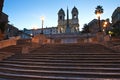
[[99, 10]]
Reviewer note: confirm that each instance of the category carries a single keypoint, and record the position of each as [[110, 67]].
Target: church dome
[[61, 11], [74, 10]]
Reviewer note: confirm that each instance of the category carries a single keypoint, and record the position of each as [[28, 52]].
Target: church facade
[[68, 25]]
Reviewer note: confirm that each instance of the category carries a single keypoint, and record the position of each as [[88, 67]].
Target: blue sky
[[27, 13]]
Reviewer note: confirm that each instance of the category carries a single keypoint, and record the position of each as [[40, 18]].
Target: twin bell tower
[[68, 25]]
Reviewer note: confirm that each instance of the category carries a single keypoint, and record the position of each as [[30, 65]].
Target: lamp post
[[98, 12], [98, 16], [42, 18]]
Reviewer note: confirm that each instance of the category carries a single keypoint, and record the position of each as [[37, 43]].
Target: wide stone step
[[80, 49], [66, 58], [69, 56], [71, 51], [65, 55], [62, 68], [69, 61], [74, 53], [61, 73], [35, 77], [95, 64]]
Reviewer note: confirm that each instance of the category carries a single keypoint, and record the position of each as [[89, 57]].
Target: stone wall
[[9, 42]]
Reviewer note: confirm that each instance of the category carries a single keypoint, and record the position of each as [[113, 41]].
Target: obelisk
[[68, 30]]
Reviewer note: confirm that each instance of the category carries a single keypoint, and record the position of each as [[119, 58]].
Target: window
[[60, 17], [74, 16]]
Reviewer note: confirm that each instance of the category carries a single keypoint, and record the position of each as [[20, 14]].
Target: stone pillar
[[25, 50], [39, 39], [106, 38]]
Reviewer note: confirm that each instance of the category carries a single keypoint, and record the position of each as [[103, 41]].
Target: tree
[[85, 28], [116, 31], [98, 12]]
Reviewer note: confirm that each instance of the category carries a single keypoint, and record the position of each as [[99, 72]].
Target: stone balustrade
[[9, 42]]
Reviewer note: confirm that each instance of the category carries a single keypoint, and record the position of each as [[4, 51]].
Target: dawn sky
[[27, 13]]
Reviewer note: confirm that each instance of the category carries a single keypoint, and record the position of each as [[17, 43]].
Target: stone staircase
[[63, 62], [114, 45], [14, 49], [10, 51]]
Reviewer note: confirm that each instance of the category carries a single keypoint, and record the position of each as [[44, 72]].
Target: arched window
[[60, 17], [74, 16]]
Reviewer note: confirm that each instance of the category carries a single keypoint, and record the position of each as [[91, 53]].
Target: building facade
[[3, 21], [63, 23], [116, 18], [28, 33], [1, 6], [94, 27], [11, 31]]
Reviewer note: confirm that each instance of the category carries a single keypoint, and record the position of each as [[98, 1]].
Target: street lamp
[[31, 35], [110, 34], [105, 25], [42, 18]]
